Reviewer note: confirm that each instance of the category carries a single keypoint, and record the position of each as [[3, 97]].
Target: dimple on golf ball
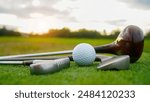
[[84, 54]]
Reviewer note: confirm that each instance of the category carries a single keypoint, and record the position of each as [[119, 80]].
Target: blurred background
[[72, 18]]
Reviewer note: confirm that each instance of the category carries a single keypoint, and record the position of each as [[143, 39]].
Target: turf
[[138, 73]]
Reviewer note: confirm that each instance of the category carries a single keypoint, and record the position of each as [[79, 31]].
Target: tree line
[[66, 33], [81, 33], [6, 32]]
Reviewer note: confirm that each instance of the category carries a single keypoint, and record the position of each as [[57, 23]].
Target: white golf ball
[[84, 54]]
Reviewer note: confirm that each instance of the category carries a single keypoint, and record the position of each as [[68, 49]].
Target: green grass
[[139, 72]]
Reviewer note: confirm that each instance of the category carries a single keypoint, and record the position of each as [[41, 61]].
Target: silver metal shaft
[[99, 57], [12, 62], [33, 58], [37, 54], [22, 62]]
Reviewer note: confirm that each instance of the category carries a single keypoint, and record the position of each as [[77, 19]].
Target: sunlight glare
[[36, 26]]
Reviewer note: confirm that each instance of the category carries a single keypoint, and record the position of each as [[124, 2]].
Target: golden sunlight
[[36, 26], [75, 14]]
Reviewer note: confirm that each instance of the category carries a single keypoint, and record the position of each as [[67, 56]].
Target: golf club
[[51, 66], [129, 42], [107, 62], [118, 62], [99, 57], [31, 60], [42, 66]]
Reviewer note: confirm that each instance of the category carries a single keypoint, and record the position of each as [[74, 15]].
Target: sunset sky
[[40, 15]]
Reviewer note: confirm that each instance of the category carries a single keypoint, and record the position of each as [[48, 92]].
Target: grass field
[[139, 73]]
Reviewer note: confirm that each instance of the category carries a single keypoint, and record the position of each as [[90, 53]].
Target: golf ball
[[84, 54]]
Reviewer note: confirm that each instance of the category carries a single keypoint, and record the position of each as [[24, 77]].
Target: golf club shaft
[[97, 49], [34, 58], [99, 57], [37, 54], [29, 60], [16, 62], [12, 62]]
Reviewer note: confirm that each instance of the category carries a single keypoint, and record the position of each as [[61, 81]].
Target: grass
[[138, 73]]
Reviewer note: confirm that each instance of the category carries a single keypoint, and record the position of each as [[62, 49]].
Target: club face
[[118, 62], [49, 66], [63, 63], [43, 68]]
